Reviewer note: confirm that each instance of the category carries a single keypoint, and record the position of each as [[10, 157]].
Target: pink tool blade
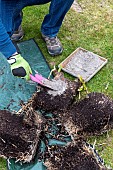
[[43, 81], [35, 79], [39, 77]]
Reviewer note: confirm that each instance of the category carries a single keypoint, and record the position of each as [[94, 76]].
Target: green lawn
[[93, 30]]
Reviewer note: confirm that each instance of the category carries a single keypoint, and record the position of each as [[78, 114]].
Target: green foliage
[[92, 30]]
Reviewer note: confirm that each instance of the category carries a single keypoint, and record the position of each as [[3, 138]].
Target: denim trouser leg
[[57, 11], [10, 19], [10, 13], [6, 46], [52, 21]]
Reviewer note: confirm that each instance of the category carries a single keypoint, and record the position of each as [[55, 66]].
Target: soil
[[20, 134], [19, 138], [92, 115], [49, 100], [77, 156]]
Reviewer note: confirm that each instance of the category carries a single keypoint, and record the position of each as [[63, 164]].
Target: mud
[[77, 156], [91, 116], [19, 138], [47, 99]]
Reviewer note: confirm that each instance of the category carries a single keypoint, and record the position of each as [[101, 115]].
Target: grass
[[2, 164], [93, 30]]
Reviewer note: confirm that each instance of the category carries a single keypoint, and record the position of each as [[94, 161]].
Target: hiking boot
[[53, 44], [18, 34]]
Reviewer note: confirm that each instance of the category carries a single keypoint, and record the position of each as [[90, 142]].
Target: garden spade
[[51, 84]]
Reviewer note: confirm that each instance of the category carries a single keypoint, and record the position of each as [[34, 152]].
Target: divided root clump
[[91, 116], [49, 100], [20, 135], [79, 156]]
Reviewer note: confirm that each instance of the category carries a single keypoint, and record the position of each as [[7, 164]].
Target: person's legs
[[57, 11], [52, 23], [50, 26], [18, 32]]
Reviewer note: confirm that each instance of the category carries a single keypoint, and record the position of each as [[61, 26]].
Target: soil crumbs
[[18, 139], [73, 156], [46, 100], [92, 115]]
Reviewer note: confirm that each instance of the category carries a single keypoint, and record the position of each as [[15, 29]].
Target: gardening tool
[[52, 84]]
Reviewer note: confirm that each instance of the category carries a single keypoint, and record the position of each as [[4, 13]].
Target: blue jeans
[[51, 24]]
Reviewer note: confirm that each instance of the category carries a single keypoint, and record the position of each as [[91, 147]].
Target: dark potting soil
[[18, 139], [74, 156], [92, 115], [49, 100]]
